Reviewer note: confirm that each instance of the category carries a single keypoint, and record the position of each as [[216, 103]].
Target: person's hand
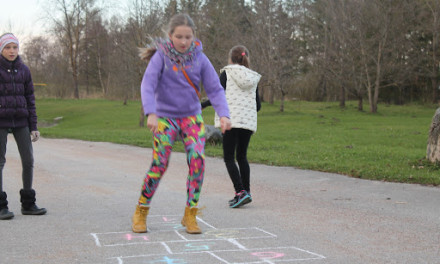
[[152, 123], [35, 135], [225, 124]]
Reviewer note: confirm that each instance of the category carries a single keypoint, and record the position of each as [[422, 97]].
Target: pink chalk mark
[[129, 237], [268, 255]]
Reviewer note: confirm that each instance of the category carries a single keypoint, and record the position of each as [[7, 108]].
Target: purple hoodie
[[166, 92]]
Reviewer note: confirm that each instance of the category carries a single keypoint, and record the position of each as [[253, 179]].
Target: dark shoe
[[28, 206], [4, 212], [232, 200], [34, 210], [240, 199], [235, 197], [248, 200]]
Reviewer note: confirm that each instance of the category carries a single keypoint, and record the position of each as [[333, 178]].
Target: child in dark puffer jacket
[[17, 116]]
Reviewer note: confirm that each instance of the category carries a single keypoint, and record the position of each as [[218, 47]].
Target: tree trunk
[[433, 148], [360, 103], [101, 81], [271, 91], [74, 65], [342, 97], [377, 81], [434, 83], [76, 86], [282, 102], [368, 79], [370, 97]]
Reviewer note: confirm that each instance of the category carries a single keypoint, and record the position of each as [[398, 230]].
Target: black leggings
[[237, 140], [24, 144]]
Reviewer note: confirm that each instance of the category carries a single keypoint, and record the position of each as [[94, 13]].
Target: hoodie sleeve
[[30, 100], [223, 80], [150, 82], [257, 98], [214, 89]]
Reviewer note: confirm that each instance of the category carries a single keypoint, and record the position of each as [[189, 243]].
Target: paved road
[[297, 216]]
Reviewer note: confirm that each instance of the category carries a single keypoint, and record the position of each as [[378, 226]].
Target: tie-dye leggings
[[192, 132]]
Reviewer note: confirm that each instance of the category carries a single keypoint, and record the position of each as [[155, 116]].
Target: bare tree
[[263, 25], [144, 22], [69, 20], [289, 40], [317, 49], [36, 55], [122, 67], [362, 44], [56, 72], [96, 54], [343, 65], [431, 29], [224, 25]]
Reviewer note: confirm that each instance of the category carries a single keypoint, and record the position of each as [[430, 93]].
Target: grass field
[[388, 146]]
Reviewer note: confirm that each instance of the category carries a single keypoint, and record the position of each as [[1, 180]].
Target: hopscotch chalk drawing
[[168, 243]]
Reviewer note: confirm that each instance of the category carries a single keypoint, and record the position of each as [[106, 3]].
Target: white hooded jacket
[[241, 87]]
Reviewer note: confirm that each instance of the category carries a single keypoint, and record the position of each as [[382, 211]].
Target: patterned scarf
[[167, 47]]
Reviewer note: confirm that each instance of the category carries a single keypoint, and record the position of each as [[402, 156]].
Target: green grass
[[388, 146]]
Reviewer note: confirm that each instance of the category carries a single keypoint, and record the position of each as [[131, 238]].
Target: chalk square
[[267, 255], [229, 233], [201, 246], [175, 259], [129, 238], [133, 250]]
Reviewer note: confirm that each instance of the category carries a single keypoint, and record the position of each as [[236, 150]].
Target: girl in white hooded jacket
[[241, 88]]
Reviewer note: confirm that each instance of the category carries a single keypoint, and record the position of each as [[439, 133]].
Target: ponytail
[[146, 53], [240, 55]]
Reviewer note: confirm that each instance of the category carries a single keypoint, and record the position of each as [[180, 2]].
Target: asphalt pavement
[[90, 190]]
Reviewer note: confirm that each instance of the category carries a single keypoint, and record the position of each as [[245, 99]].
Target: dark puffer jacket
[[17, 100]]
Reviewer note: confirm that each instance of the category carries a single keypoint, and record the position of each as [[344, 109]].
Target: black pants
[[24, 144], [235, 145]]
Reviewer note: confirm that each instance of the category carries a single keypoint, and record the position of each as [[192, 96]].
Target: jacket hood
[[244, 77]]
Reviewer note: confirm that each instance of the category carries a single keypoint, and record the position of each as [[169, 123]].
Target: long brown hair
[[240, 55], [175, 21]]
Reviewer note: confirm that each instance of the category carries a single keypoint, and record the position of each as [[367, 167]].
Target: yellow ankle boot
[[140, 219], [190, 222]]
